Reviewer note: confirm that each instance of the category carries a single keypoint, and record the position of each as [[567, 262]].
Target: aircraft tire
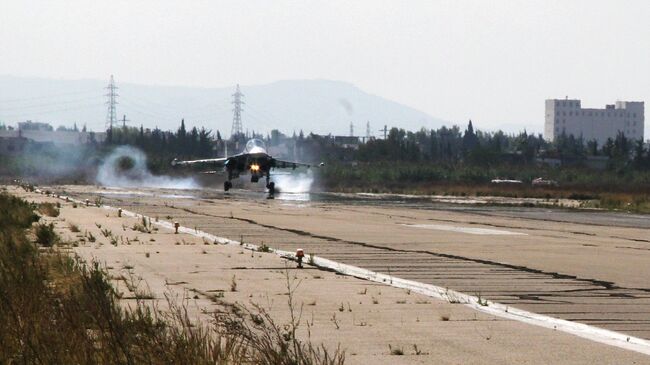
[[227, 185]]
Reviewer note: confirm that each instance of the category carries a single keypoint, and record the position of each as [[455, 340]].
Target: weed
[[233, 283], [335, 321], [74, 228], [481, 301], [263, 248], [398, 351], [140, 228], [417, 351]]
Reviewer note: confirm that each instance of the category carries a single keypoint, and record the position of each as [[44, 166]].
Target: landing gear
[[227, 185], [271, 186]]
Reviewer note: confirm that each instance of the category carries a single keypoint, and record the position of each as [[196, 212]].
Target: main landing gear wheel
[[271, 187], [227, 185]]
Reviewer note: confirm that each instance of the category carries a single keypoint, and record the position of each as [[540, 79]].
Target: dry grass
[[58, 310]]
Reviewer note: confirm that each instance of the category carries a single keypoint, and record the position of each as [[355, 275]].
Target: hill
[[318, 106]]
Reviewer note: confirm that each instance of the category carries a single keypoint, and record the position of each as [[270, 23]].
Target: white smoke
[[294, 183], [139, 176]]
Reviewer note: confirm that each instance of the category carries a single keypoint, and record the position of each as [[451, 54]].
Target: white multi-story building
[[567, 116]]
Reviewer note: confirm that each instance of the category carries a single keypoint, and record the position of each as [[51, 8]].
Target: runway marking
[[595, 334], [468, 230]]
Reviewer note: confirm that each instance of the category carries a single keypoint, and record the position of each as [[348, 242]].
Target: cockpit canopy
[[255, 146]]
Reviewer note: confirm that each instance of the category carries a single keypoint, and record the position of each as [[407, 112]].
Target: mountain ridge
[[312, 105]]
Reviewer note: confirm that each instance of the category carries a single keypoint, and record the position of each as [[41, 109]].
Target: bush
[[48, 209], [45, 234]]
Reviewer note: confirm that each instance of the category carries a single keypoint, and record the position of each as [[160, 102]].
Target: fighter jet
[[254, 160]]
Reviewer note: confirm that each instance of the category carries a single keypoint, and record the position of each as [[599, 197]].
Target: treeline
[[182, 143], [451, 146]]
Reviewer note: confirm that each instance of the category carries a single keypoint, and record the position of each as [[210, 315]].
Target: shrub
[[45, 234], [48, 209]]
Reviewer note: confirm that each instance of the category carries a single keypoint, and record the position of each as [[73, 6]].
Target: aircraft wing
[[209, 161], [281, 164]]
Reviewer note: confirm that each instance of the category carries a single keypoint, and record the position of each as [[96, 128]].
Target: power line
[[47, 96], [48, 111], [49, 104]]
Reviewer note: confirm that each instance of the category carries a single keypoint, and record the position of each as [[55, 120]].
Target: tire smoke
[[127, 167], [294, 183]]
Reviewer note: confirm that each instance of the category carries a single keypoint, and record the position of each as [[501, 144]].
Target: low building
[[55, 137]]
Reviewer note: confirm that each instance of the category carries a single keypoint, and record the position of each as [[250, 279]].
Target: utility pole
[[351, 129], [237, 128], [124, 120], [111, 115], [368, 131], [385, 131]]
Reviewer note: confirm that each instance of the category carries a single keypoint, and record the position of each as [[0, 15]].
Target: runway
[[583, 266]]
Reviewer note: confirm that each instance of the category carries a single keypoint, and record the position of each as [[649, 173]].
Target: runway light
[[299, 255], [255, 167], [176, 225]]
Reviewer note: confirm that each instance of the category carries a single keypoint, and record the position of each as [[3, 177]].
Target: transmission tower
[[237, 128], [351, 129], [111, 115], [368, 130]]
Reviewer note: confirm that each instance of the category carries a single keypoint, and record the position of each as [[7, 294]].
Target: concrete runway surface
[[585, 266]]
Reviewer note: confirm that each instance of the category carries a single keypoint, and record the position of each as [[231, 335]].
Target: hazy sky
[[492, 61]]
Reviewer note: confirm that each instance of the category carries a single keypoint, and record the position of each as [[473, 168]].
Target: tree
[[470, 141], [639, 154]]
